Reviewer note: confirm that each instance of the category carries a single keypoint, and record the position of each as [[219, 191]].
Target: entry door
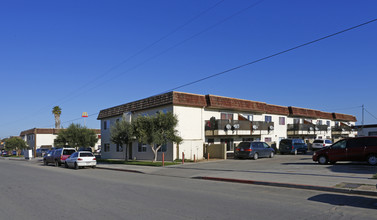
[[130, 151]]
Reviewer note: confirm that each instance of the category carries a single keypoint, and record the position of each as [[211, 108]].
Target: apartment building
[[211, 119]]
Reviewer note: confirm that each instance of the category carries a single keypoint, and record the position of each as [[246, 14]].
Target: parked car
[[292, 146], [350, 149], [58, 156], [41, 152], [86, 149], [247, 149], [321, 143], [81, 159]]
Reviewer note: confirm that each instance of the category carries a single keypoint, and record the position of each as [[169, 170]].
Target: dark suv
[[292, 146], [350, 149], [58, 156], [253, 150]]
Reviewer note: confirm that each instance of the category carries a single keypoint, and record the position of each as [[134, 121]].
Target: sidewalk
[[342, 178]]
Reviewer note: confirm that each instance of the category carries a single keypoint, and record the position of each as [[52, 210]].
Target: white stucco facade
[[234, 120]]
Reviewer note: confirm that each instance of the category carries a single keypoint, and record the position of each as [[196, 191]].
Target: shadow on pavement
[[345, 200]]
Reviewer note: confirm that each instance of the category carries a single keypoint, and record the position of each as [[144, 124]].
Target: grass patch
[[186, 160], [136, 162]]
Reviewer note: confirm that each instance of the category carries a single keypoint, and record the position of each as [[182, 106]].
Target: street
[[33, 191]]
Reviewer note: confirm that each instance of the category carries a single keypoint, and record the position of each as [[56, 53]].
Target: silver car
[[81, 159], [319, 144]]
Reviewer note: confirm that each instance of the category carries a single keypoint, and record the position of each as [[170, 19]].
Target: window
[[141, 147], [163, 148], [119, 148], [328, 123], [226, 116], [211, 140], [267, 118], [340, 144], [337, 123], [247, 139], [355, 143], [266, 145], [296, 121], [372, 133], [370, 141], [281, 120], [267, 139], [105, 125], [106, 147], [319, 122]]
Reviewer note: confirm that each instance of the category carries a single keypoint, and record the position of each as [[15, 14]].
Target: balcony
[[237, 127], [306, 129], [343, 130]]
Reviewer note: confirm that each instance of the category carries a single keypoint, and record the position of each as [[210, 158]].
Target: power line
[[342, 108], [273, 55], [270, 56], [177, 44], [72, 93], [370, 114], [144, 49]]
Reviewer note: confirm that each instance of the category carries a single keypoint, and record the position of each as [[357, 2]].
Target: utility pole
[[362, 116]]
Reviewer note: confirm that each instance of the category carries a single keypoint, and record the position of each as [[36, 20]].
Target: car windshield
[[86, 154], [68, 152]]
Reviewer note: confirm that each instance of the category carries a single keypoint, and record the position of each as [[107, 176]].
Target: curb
[[118, 169], [289, 185]]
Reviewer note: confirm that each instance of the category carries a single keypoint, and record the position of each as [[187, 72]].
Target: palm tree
[[57, 111]]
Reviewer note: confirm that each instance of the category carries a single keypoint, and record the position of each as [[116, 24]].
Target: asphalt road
[[33, 191]]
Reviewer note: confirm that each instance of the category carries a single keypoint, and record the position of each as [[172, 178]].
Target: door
[[130, 151], [338, 151], [355, 149]]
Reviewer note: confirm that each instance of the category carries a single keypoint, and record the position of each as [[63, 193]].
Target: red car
[[350, 149]]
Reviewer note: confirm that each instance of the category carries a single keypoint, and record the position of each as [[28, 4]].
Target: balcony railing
[[307, 127], [240, 127]]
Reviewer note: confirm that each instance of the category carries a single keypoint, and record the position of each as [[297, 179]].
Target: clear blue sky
[[91, 55]]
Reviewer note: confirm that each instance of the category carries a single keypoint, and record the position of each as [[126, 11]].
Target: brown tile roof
[[170, 98], [343, 117], [218, 102], [277, 110]]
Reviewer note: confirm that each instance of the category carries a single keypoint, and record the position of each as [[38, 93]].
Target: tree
[[15, 143], [156, 130], [76, 136], [57, 111], [122, 133]]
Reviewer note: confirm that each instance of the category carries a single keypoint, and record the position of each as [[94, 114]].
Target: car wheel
[[65, 165], [304, 152], [272, 154], [76, 166], [56, 163], [372, 159], [256, 156], [322, 160], [45, 162]]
